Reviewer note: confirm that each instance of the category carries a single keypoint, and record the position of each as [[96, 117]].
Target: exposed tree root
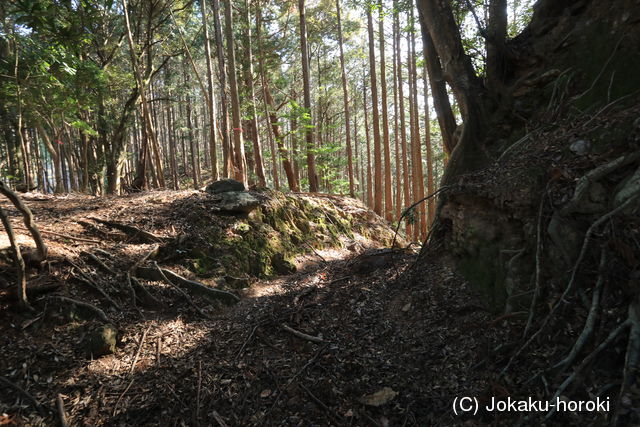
[[97, 261], [143, 294], [90, 307], [62, 414], [84, 278], [536, 292], [131, 230], [574, 273], [161, 274], [589, 325], [587, 361], [18, 261], [27, 217]]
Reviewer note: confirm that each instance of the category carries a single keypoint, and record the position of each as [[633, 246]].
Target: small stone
[[580, 147], [224, 186], [102, 341]]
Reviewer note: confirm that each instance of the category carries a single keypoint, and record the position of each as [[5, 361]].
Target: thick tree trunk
[[496, 36], [458, 71], [441, 103]]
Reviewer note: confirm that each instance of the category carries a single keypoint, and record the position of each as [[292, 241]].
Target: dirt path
[[389, 345]]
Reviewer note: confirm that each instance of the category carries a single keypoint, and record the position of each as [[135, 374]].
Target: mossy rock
[[101, 341], [281, 265]]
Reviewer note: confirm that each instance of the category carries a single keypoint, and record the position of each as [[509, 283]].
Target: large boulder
[[237, 202], [224, 186]]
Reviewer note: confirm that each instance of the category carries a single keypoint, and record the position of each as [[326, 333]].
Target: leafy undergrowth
[[389, 345]]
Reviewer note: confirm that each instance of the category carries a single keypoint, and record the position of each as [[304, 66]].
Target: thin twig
[[64, 236], [115, 407], [137, 355], [62, 415], [36, 403], [296, 375], [253, 331], [303, 335], [536, 292]]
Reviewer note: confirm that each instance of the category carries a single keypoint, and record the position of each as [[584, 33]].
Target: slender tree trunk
[[388, 195], [396, 138], [227, 150], [211, 100], [145, 106], [173, 163], [257, 146], [239, 163], [192, 140], [311, 161], [368, 137], [286, 164], [418, 178], [377, 158], [345, 96], [274, 154], [431, 187]]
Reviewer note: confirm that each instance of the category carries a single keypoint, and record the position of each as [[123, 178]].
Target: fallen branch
[[302, 335], [131, 230], [160, 274], [90, 307], [36, 403]]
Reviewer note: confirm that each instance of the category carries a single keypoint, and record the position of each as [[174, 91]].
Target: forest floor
[[387, 343]]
